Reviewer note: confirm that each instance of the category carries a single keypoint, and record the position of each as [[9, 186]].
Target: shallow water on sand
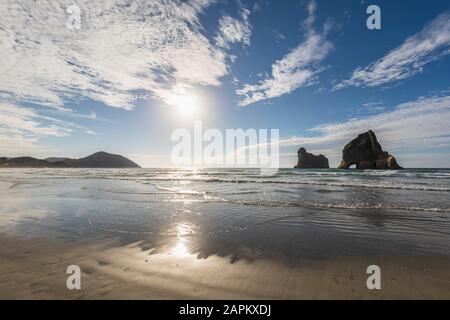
[[236, 213]]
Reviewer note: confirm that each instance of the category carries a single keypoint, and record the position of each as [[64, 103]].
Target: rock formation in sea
[[366, 153], [310, 161], [97, 160]]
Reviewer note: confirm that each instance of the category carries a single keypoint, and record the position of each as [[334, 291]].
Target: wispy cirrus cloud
[[412, 126], [430, 44], [28, 122], [297, 69], [233, 30], [122, 48], [23, 128], [370, 107]]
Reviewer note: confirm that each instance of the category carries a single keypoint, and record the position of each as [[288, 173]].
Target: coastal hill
[[97, 160]]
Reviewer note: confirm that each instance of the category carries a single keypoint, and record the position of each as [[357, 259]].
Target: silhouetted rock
[[96, 160], [310, 161], [366, 153]]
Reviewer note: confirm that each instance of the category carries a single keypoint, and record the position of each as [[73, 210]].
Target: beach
[[224, 233]]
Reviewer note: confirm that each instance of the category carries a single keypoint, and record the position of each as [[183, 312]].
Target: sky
[[131, 72]]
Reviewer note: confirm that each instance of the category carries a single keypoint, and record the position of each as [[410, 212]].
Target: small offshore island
[[364, 152]]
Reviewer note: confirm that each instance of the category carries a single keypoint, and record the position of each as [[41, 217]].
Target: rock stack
[[310, 161], [366, 153]]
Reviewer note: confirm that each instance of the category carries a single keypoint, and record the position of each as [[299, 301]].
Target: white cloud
[[233, 31], [371, 107], [278, 36], [22, 128], [430, 44], [410, 127], [27, 122], [123, 47], [297, 69]]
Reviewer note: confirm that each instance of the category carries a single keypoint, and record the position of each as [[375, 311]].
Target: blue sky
[[309, 68]]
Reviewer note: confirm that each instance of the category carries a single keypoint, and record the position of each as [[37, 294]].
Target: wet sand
[[35, 268], [149, 235]]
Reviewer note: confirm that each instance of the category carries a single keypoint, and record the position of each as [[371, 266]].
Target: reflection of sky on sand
[[15, 205]]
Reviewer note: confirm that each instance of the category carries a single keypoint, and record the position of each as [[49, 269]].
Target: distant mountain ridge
[[55, 159], [97, 160]]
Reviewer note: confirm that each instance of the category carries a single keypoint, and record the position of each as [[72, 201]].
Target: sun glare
[[180, 248], [186, 104]]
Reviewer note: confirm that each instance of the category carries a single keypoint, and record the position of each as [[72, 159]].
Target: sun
[[186, 104]]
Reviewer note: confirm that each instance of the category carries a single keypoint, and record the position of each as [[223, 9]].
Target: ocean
[[292, 215]]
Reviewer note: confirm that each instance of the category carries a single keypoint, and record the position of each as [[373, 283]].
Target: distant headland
[[97, 160]]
